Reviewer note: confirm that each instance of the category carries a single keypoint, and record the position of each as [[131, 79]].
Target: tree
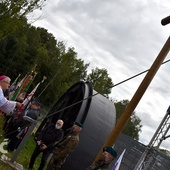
[[64, 71], [13, 14], [29, 46], [18, 54], [101, 81], [133, 126]]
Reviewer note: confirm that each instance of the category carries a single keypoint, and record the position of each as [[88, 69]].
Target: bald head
[[59, 124]]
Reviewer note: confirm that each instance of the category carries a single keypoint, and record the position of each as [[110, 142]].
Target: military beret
[[78, 124], [110, 150]]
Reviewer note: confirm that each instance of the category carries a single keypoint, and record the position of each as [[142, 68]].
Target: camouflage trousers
[[56, 162]]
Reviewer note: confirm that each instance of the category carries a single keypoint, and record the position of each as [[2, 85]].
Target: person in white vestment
[[6, 105]]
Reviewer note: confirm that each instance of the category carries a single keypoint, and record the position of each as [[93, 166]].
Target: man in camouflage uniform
[[65, 148], [108, 155]]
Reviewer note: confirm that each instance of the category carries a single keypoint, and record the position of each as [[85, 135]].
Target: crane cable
[[47, 116], [108, 88]]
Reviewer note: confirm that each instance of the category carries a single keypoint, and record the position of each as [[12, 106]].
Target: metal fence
[[134, 151]]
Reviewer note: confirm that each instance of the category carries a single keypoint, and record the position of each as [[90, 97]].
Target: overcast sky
[[124, 37]]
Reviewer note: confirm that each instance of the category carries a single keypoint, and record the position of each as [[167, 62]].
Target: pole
[[24, 140], [136, 98]]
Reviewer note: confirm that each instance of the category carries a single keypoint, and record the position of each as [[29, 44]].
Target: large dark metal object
[[95, 112]]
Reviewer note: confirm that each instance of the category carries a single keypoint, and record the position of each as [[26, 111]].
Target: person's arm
[[9, 106]]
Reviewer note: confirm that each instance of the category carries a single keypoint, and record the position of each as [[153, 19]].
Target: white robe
[[6, 106]]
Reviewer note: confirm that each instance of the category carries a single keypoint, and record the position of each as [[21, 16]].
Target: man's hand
[[18, 104], [43, 147], [38, 142]]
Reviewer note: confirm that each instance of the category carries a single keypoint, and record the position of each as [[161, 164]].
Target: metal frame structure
[[149, 154]]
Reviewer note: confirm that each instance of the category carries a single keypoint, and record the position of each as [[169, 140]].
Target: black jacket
[[50, 136]]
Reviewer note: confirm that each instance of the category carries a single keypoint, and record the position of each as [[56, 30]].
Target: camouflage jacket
[[67, 146], [99, 165], [62, 151]]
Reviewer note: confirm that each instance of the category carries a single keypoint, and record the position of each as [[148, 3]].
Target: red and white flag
[[29, 97]]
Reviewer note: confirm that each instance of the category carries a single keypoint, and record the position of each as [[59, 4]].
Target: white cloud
[[124, 37]]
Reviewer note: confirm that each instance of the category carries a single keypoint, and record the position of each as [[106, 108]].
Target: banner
[[118, 162], [30, 95], [13, 93], [14, 84], [23, 86]]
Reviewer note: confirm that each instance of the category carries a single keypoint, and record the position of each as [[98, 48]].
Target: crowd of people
[[51, 141]]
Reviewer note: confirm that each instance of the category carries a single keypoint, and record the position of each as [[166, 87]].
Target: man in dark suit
[[45, 142]]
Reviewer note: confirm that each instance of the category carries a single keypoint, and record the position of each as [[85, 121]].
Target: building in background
[[134, 151]]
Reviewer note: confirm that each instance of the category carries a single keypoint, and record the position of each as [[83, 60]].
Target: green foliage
[[31, 46], [133, 126], [13, 14], [25, 154], [101, 81], [15, 49], [17, 8], [24, 46]]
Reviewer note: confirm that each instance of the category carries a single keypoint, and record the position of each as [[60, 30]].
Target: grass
[[25, 154]]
